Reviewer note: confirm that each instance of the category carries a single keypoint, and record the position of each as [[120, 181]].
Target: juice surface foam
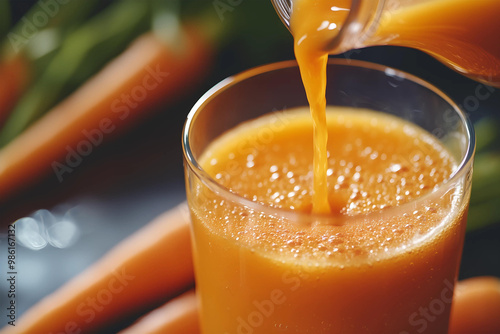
[[376, 161]]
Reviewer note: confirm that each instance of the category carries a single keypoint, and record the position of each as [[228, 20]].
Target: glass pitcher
[[463, 34]]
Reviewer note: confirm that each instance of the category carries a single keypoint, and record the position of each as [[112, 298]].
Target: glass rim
[[462, 167]]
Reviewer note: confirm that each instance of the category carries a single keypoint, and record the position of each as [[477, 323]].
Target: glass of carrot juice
[[383, 259]]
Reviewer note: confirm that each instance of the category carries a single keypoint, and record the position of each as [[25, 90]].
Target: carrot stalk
[[147, 73], [147, 268], [178, 316]]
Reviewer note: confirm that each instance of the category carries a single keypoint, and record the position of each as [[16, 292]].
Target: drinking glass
[[404, 288]]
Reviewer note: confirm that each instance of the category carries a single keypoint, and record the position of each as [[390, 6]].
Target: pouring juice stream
[[458, 32], [308, 25]]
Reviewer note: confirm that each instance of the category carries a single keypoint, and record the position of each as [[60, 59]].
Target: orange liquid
[[310, 33], [258, 273], [461, 33]]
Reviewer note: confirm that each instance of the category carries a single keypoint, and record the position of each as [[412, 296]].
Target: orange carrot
[[14, 74], [178, 316], [148, 73], [145, 269], [476, 306]]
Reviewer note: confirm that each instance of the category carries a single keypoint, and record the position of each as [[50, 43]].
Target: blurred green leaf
[[251, 27], [486, 170], [165, 20], [484, 207], [483, 214], [5, 19], [486, 133], [66, 17]]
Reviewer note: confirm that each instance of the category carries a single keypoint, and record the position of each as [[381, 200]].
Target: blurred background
[[136, 173]]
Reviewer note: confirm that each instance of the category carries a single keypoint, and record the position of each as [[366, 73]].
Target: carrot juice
[[461, 33], [389, 272]]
